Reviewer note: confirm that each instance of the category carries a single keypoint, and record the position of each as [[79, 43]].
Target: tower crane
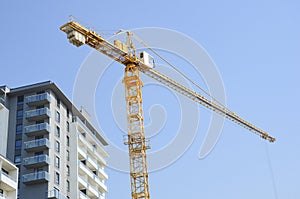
[[125, 54]]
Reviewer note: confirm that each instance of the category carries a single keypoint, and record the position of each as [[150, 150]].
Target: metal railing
[[39, 97], [37, 112], [55, 194], [37, 127], [37, 143], [36, 176], [36, 159], [8, 176]]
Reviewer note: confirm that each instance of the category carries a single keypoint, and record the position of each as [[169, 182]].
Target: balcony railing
[[91, 190], [2, 101], [35, 100], [35, 145], [36, 161], [92, 161], [91, 148], [38, 177], [38, 114], [83, 195], [8, 176], [91, 134], [37, 129], [55, 194]]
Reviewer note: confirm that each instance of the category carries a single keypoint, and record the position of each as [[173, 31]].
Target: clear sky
[[255, 46]]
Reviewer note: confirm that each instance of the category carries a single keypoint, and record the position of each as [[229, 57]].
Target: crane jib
[[95, 41], [167, 81]]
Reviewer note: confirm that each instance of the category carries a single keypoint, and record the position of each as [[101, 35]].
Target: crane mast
[[135, 139]]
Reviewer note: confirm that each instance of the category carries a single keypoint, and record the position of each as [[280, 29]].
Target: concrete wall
[[4, 115]]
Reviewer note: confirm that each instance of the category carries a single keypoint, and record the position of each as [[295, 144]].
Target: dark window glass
[[19, 121], [68, 155], [17, 159], [56, 178], [39, 121], [57, 116], [19, 113], [21, 98], [57, 146], [68, 186], [68, 126], [18, 145], [68, 170], [58, 103], [57, 162], [19, 129], [68, 141], [39, 153], [57, 131]]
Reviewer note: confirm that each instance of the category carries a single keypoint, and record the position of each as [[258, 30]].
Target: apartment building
[[57, 150]]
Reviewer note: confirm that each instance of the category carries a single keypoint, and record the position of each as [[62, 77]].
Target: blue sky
[[255, 45]]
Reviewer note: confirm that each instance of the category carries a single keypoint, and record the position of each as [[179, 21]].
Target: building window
[[68, 113], [68, 155], [38, 137], [57, 146], [20, 100], [56, 178], [19, 129], [18, 145], [56, 162], [17, 159], [68, 141], [57, 131], [68, 170], [19, 121], [19, 114], [38, 153], [68, 126], [57, 116], [68, 186], [58, 103]]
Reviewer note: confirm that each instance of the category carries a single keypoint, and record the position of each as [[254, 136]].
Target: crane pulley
[[136, 141]]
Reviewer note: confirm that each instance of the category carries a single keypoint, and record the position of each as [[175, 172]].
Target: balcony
[[37, 100], [86, 171], [7, 181], [91, 163], [55, 194], [38, 114], [36, 161], [92, 149], [37, 129], [37, 145], [91, 137], [35, 178], [91, 191]]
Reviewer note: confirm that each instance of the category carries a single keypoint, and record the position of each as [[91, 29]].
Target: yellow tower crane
[[136, 141]]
